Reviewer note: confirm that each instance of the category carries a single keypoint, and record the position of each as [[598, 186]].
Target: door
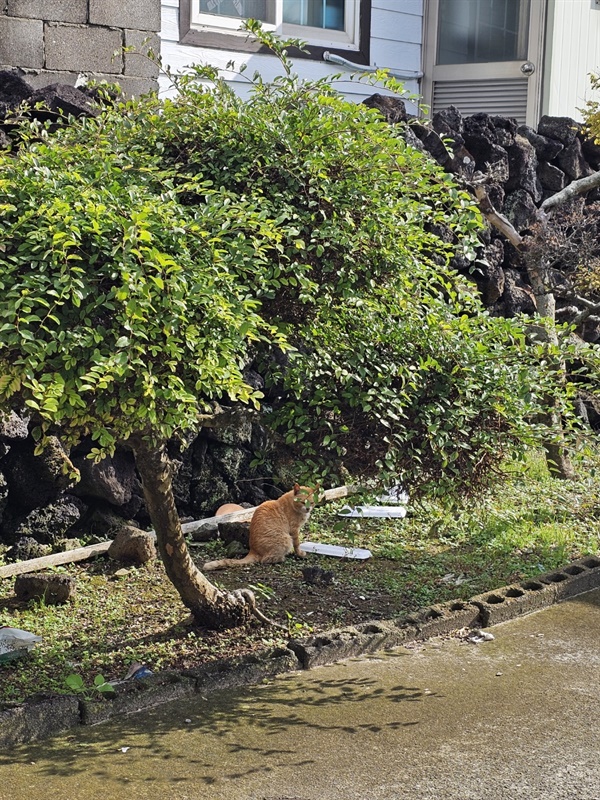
[[485, 56]]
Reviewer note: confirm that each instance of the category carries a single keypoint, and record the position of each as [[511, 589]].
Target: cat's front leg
[[296, 541]]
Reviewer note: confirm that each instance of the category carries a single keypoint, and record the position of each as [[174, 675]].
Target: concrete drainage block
[[137, 695], [537, 593], [513, 601], [244, 671], [37, 718], [576, 578], [371, 637], [337, 645], [443, 618]]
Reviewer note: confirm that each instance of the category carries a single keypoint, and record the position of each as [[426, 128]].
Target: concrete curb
[[536, 593], [38, 717], [43, 716], [137, 695], [369, 637]]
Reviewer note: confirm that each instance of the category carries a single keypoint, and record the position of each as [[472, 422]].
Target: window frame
[[222, 40]]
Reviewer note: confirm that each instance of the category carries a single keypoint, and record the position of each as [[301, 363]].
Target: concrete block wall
[[57, 41]]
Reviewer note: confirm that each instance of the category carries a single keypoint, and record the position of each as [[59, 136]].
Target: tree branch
[[581, 186], [583, 315], [499, 221]]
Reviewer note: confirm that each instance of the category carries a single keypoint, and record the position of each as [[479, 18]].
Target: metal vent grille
[[498, 97]]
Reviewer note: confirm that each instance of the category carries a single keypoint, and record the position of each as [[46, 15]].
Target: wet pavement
[[516, 717]]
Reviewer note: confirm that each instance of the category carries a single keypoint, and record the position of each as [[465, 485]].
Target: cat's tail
[[230, 562]]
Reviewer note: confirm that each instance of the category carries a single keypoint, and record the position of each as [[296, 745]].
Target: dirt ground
[[323, 592]]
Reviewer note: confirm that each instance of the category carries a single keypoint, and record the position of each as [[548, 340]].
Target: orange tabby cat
[[274, 530]]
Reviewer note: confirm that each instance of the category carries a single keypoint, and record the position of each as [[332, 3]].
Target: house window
[[228, 14], [488, 30], [321, 21], [337, 25]]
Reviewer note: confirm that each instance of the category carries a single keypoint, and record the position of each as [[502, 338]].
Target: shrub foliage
[[149, 256]]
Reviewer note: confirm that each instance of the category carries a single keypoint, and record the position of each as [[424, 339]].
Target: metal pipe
[[333, 58]]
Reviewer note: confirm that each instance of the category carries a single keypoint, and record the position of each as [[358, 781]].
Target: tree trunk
[[209, 606], [557, 453]]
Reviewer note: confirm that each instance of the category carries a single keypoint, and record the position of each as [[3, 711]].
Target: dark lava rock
[[563, 129], [522, 162], [27, 548], [489, 276], [393, 109], [520, 209], [60, 99], [13, 427], [572, 162], [317, 575], [132, 546], [13, 90], [518, 296], [546, 149], [112, 479], [234, 532], [552, 178], [51, 522], [449, 122], [51, 588]]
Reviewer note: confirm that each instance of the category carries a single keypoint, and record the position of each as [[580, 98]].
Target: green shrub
[[150, 255]]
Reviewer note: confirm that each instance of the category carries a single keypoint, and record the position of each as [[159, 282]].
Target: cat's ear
[[296, 488]]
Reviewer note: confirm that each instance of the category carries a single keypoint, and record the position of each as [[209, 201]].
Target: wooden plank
[[83, 553], [67, 557]]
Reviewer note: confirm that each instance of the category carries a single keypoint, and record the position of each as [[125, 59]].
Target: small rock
[[235, 532], [132, 546], [51, 588], [235, 548], [316, 575], [121, 573], [477, 636]]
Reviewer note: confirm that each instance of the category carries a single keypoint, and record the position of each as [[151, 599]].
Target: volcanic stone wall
[[525, 166]]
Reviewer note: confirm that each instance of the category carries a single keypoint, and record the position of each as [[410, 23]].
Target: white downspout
[[407, 75]]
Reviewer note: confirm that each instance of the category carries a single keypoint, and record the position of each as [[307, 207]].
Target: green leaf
[[74, 682]]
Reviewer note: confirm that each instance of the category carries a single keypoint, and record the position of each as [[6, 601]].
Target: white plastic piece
[[395, 494], [385, 512], [15, 642], [335, 550]]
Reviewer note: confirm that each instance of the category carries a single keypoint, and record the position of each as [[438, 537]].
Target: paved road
[[517, 717]]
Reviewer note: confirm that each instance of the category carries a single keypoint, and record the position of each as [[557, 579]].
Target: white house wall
[[572, 52], [396, 35]]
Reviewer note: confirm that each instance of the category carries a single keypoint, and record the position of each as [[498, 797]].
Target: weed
[[100, 686]]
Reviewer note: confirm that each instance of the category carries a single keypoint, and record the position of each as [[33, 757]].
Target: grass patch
[[529, 524]]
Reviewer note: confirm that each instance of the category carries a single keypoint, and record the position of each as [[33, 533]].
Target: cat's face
[[304, 498]]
